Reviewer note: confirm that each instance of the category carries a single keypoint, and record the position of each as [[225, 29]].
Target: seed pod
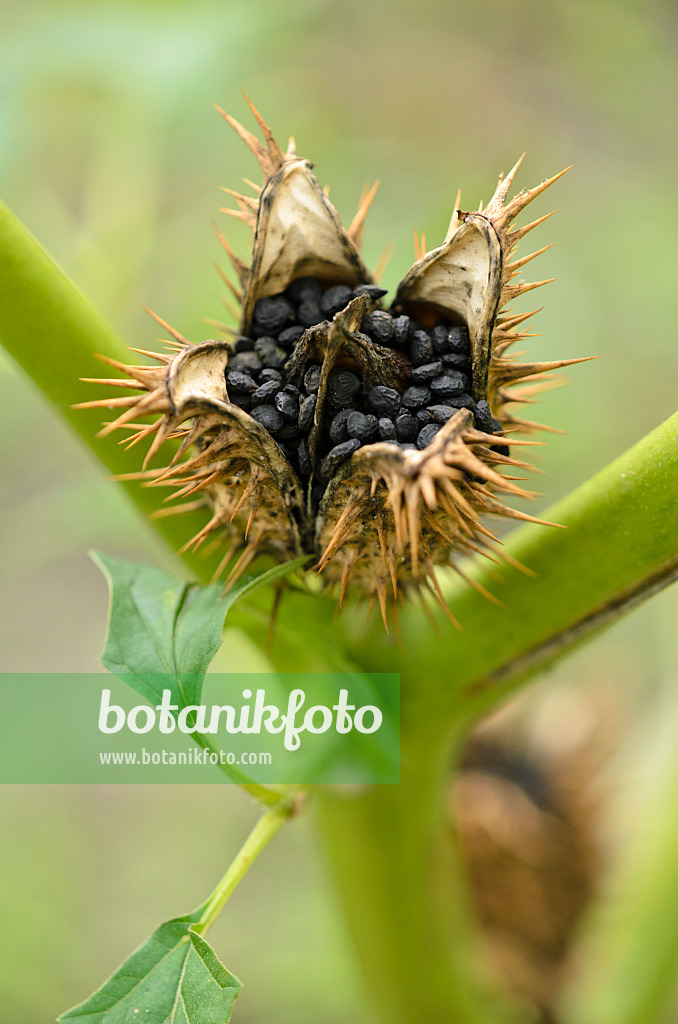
[[378, 505]]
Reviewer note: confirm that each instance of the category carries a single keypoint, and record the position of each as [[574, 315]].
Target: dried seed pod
[[264, 421]]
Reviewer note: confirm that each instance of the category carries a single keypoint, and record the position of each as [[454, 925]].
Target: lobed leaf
[[175, 977], [164, 632]]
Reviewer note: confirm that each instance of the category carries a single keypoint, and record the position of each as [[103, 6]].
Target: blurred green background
[[111, 153]]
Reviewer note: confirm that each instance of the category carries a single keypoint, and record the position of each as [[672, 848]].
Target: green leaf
[[175, 977], [163, 632]]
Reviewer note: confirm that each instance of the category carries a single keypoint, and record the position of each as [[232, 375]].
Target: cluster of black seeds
[[354, 414]]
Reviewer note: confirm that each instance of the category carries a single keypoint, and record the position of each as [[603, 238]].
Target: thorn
[[242, 215], [413, 527], [512, 291], [114, 382], [273, 146], [266, 157], [250, 519], [163, 323], [345, 573], [383, 262], [224, 561], [235, 292], [517, 264], [355, 231], [161, 357], [241, 269], [247, 201], [454, 220], [525, 197], [514, 236], [178, 510], [381, 594], [478, 587]]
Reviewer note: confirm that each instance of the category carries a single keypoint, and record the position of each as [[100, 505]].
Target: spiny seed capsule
[[358, 432]]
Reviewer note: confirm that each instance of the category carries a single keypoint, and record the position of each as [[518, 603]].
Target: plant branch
[[535, 660], [268, 825], [52, 332]]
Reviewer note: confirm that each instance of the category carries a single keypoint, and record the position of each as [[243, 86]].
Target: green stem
[[262, 794], [52, 332], [404, 894], [263, 832]]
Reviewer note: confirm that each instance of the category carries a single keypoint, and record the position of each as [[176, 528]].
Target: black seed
[[441, 413], [287, 406], [373, 290], [264, 394], [462, 401], [306, 413], [342, 388], [338, 431], [421, 348], [421, 374], [248, 362], [243, 344], [304, 459], [268, 374], [456, 375], [457, 361], [273, 313], [269, 417], [309, 313], [304, 288], [439, 339], [336, 456], [416, 396], [406, 427], [386, 428], [401, 329], [312, 378], [380, 326], [335, 298], [496, 426], [458, 340], [292, 389], [483, 416], [445, 388], [238, 381], [290, 335], [288, 432], [427, 434], [362, 426], [243, 402], [422, 417], [269, 353], [385, 401]]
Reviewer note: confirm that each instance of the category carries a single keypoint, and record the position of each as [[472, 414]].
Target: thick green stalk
[[404, 894], [52, 332]]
